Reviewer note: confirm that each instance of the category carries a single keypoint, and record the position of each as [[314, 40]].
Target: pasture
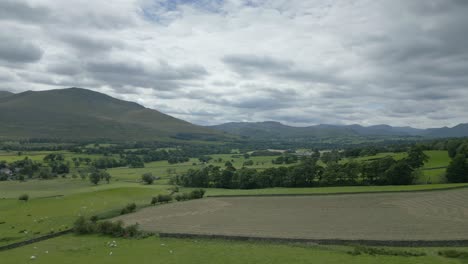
[[95, 249]]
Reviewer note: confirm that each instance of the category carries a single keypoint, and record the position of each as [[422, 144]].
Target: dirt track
[[436, 215]]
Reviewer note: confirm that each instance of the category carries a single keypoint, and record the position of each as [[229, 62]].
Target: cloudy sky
[[300, 62]]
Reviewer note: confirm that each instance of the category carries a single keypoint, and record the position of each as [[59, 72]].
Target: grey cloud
[[18, 50], [19, 11], [244, 63], [87, 44], [250, 65], [165, 77], [70, 68]]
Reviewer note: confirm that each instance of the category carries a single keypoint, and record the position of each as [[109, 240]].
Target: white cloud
[[299, 62]]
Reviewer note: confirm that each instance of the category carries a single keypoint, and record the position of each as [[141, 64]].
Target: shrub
[[384, 252], [23, 197], [83, 226], [161, 198], [132, 231], [130, 208], [452, 253], [114, 229], [148, 178], [197, 194], [174, 189]]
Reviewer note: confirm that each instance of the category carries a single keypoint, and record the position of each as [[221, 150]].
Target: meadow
[[95, 249]]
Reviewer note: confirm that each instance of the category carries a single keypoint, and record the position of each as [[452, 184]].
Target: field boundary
[[34, 240], [435, 168], [365, 242], [337, 193]]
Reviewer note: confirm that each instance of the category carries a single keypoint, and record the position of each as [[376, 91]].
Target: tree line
[[308, 173]]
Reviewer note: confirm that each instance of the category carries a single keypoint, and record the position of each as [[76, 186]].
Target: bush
[[148, 178], [114, 229], [161, 198], [83, 226], [23, 197], [130, 208], [195, 194], [384, 252], [452, 253], [94, 218], [174, 189], [182, 197]]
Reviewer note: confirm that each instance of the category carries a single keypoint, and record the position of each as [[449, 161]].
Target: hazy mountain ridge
[[5, 93], [76, 113], [272, 129]]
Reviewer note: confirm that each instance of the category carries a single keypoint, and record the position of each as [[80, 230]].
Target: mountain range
[[80, 114], [276, 130]]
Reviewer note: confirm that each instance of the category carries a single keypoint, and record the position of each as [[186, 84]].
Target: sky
[[368, 62]]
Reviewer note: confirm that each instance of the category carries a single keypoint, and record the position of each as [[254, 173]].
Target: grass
[[437, 158], [94, 249], [160, 168], [330, 190], [25, 220]]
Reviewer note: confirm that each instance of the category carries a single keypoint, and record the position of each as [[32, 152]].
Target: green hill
[[5, 93], [80, 114]]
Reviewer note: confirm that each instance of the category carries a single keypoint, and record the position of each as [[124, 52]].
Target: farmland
[[390, 216], [54, 205]]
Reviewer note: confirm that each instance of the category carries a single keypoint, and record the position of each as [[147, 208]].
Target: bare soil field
[[429, 216]]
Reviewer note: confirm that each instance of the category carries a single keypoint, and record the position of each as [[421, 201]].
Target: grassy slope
[[83, 114], [46, 214], [94, 249]]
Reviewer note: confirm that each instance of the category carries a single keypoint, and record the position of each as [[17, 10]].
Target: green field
[[160, 168], [55, 204], [94, 249], [25, 220]]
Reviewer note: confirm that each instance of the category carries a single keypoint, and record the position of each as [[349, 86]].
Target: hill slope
[[276, 130], [5, 93], [80, 114]]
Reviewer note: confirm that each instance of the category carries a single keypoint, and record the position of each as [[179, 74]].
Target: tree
[[205, 159], [400, 173], [95, 177], [416, 157], [148, 178], [106, 176], [23, 197], [331, 157], [45, 173], [457, 171]]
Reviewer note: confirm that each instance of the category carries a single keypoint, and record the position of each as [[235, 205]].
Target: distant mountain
[[276, 130], [272, 129], [5, 93], [460, 130], [80, 114]]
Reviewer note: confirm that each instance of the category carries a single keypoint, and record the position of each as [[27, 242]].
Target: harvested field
[[429, 216]]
